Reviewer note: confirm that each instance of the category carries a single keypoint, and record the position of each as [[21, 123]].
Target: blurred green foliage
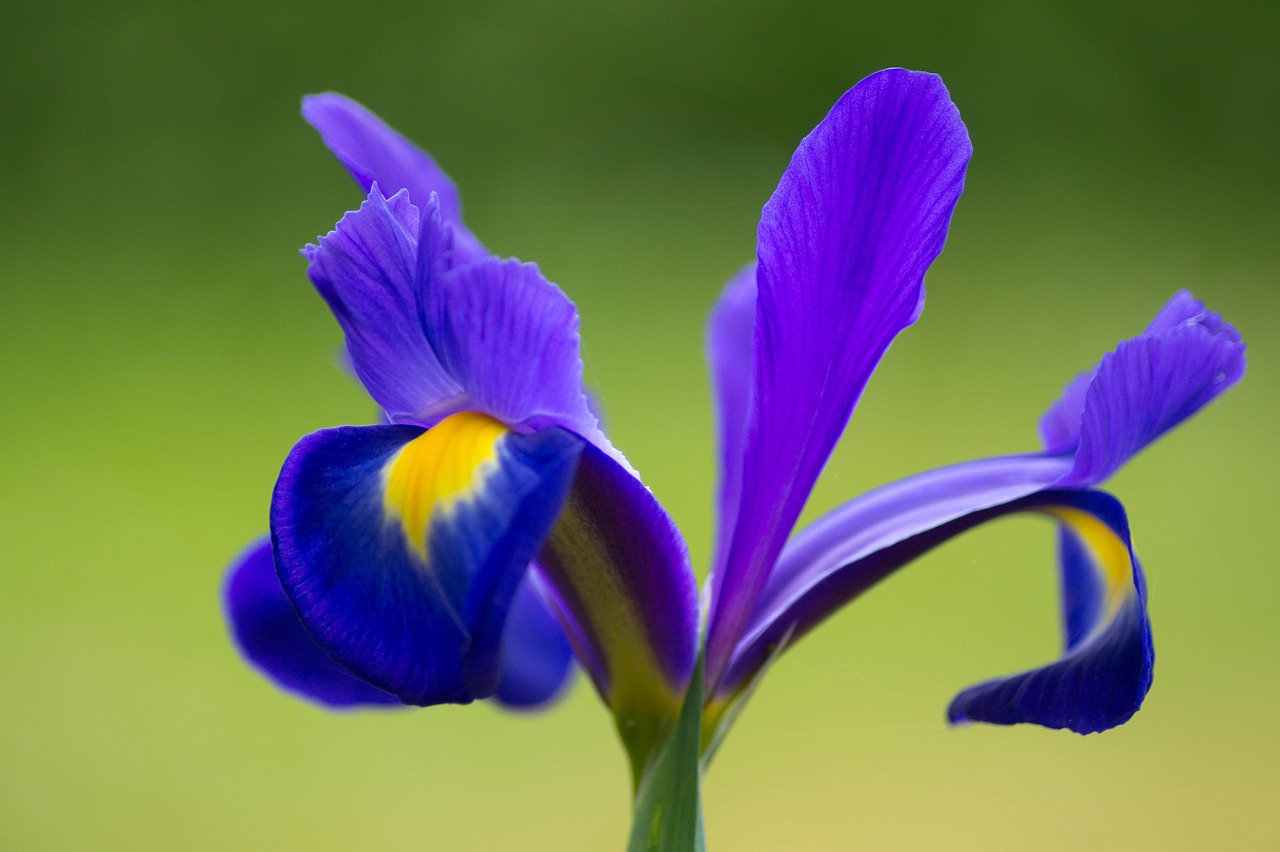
[[161, 351]]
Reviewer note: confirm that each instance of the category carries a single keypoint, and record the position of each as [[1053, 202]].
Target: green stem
[[668, 813]]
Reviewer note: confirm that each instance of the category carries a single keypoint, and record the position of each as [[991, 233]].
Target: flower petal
[[842, 554], [844, 243], [621, 573], [1103, 677], [510, 339], [730, 340], [1106, 669], [374, 153], [537, 660], [1185, 358], [1060, 425], [367, 269], [402, 549], [1146, 387], [268, 633]]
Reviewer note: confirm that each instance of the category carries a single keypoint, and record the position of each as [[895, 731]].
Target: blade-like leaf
[[668, 815]]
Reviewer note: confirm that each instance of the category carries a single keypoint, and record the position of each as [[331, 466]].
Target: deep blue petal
[[537, 661], [1185, 358], [730, 343], [268, 633], [402, 552], [1105, 674]]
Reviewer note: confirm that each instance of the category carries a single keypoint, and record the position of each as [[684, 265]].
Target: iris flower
[[489, 530]]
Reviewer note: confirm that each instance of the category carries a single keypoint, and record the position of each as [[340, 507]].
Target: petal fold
[[429, 337], [402, 549], [269, 635], [844, 242], [621, 575]]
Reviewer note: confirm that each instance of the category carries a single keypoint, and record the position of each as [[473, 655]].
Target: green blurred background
[[162, 350]]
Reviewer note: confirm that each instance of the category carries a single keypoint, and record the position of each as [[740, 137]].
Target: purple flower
[[843, 246], [462, 550]]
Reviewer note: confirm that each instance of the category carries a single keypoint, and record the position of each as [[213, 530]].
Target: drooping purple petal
[[1105, 673], [374, 153], [1185, 357], [367, 269], [269, 635], [844, 243], [402, 549], [537, 662], [1106, 668], [833, 560], [510, 339], [730, 340], [619, 569]]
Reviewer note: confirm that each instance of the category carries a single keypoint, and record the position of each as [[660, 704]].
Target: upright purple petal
[[509, 338], [730, 340], [374, 153], [268, 633], [367, 269], [844, 243], [402, 549]]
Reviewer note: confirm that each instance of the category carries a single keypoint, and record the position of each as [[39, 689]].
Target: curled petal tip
[[1186, 357], [1106, 670], [372, 152]]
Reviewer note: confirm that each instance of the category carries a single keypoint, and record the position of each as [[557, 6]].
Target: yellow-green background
[[160, 350]]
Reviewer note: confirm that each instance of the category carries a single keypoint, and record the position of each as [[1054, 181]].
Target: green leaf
[[668, 815]]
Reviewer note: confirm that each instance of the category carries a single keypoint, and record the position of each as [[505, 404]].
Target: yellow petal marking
[[1110, 555], [437, 470]]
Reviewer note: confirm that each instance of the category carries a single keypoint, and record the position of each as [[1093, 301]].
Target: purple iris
[[490, 531]]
